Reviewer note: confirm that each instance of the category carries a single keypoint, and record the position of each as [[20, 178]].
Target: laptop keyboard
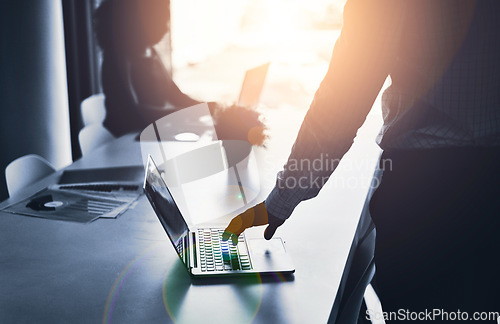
[[219, 255]]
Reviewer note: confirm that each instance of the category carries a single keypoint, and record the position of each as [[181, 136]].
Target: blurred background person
[[138, 87]]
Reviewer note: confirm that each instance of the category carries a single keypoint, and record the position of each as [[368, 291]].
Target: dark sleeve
[[138, 91], [360, 63], [152, 85]]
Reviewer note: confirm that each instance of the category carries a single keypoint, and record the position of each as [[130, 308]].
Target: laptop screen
[[166, 209], [253, 85]]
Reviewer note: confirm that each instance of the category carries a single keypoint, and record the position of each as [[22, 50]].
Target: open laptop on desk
[[191, 124], [252, 85], [121, 181], [84, 195], [202, 250]]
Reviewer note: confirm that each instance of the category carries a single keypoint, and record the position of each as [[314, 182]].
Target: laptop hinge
[[192, 250], [186, 256]]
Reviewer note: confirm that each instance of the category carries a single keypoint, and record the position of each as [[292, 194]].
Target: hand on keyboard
[[254, 216]]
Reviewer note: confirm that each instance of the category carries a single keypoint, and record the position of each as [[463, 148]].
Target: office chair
[[373, 304], [26, 170], [359, 270], [93, 109], [93, 136], [358, 273]]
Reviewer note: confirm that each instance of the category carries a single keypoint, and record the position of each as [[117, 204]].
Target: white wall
[[33, 87], [201, 28]]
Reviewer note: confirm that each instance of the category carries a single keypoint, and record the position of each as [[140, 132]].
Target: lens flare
[[120, 281]]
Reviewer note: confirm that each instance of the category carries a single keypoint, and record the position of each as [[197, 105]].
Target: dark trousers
[[437, 216]]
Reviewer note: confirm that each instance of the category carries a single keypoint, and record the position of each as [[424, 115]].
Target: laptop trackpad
[[269, 255]]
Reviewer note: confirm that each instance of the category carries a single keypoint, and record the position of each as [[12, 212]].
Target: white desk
[[126, 271]]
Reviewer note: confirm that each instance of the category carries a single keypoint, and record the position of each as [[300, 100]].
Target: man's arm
[[360, 63]]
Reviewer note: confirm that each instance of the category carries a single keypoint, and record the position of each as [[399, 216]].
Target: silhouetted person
[[138, 87], [436, 210]]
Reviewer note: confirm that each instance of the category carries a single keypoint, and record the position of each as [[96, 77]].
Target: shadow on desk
[[180, 279], [244, 280], [175, 288], [247, 293]]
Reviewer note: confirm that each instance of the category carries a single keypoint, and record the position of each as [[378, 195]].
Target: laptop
[[202, 250], [252, 86], [119, 182], [179, 126]]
